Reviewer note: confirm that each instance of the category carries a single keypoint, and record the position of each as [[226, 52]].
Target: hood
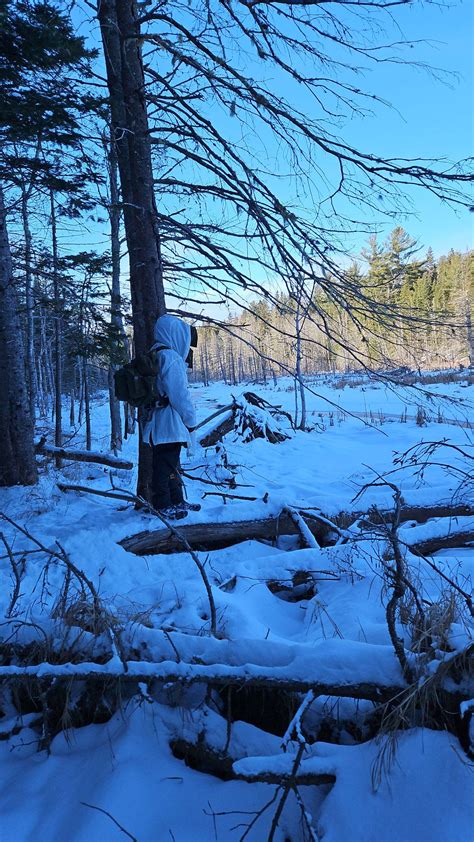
[[174, 333]]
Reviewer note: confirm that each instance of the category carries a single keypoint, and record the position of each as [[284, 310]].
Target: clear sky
[[430, 118], [434, 118]]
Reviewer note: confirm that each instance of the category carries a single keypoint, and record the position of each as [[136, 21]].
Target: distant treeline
[[434, 301]]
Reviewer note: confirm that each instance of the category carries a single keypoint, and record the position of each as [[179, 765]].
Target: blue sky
[[435, 118], [430, 118]]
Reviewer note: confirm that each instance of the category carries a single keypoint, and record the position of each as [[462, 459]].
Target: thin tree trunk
[[81, 391], [58, 362], [119, 340], [241, 368], [232, 366], [87, 404], [125, 77], [17, 457], [48, 366], [206, 366], [29, 301], [469, 332], [72, 413], [126, 421], [115, 417], [299, 384], [263, 365], [41, 396], [221, 362]]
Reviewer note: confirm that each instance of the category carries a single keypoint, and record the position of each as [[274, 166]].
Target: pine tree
[[39, 111]]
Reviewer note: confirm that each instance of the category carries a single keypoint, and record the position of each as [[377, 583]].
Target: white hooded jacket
[[168, 424]]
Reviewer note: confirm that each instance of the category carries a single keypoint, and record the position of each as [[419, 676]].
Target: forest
[[438, 295], [278, 646]]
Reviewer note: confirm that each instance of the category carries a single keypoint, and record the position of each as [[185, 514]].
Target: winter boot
[[177, 512], [190, 507]]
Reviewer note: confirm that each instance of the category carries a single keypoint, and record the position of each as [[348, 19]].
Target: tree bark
[[87, 404], [17, 458], [119, 340], [120, 37], [215, 535], [218, 675], [72, 410], [115, 417], [29, 301], [58, 359]]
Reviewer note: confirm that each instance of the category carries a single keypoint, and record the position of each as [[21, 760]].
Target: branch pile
[[249, 417]]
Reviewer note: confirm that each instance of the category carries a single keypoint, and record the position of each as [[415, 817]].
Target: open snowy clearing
[[126, 766]]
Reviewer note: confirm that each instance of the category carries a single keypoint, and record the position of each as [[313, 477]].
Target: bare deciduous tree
[[193, 120]]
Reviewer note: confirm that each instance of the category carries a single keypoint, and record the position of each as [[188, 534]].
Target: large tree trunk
[[17, 458], [120, 31]]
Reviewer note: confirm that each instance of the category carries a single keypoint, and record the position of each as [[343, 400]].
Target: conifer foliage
[[39, 116]]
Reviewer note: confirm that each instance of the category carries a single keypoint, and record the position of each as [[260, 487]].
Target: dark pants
[[167, 483]]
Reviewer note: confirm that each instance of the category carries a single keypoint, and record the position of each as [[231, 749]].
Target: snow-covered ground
[[125, 766]]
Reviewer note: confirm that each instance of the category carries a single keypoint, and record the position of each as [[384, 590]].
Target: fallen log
[[210, 536], [205, 758], [302, 777], [329, 667], [420, 514], [43, 449], [441, 534], [424, 513], [251, 417], [217, 433], [446, 542], [216, 675]]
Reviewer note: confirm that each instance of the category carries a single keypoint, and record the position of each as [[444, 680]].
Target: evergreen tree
[[38, 49]]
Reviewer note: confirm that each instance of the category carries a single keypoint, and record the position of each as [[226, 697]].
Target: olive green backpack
[[135, 382]]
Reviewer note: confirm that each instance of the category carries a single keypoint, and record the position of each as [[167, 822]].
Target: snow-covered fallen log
[[438, 510], [73, 455], [330, 667], [219, 675], [278, 770], [438, 534], [408, 512], [273, 769], [214, 535]]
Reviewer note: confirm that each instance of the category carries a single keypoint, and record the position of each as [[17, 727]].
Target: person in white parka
[[169, 424]]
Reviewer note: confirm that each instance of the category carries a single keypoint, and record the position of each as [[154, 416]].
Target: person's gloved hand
[[191, 450]]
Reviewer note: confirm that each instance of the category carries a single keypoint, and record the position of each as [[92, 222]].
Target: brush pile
[[249, 417]]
